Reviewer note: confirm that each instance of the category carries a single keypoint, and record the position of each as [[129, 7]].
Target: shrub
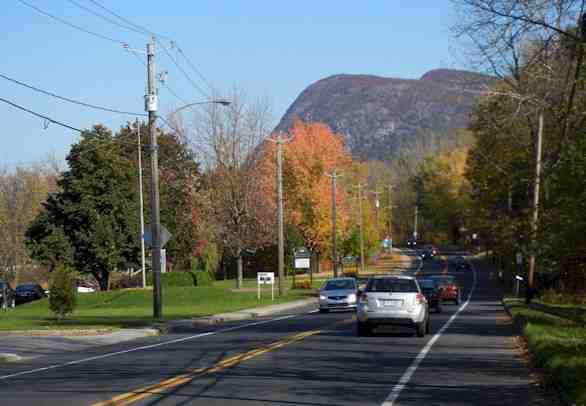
[[349, 273], [183, 278], [304, 284], [63, 297], [174, 279], [202, 278]]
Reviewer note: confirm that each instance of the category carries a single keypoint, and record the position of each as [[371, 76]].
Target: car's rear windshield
[[426, 284], [26, 287], [340, 284], [443, 279], [391, 285]]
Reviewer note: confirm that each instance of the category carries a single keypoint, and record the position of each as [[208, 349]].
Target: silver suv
[[392, 300]]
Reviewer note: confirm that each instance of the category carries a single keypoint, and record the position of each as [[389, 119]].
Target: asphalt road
[[302, 359]]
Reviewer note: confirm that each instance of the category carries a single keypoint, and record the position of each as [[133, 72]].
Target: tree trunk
[[103, 278], [239, 270]]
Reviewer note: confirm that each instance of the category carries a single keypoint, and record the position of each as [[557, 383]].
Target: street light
[[217, 101], [151, 107]]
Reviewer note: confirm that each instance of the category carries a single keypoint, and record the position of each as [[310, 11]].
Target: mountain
[[379, 116]]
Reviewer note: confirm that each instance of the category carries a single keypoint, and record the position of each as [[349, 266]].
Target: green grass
[[133, 307], [558, 346]]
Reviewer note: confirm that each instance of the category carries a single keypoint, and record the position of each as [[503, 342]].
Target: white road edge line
[[146, 347], [398, 388]]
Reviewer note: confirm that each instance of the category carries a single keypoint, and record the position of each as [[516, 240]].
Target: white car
[[392, 300]]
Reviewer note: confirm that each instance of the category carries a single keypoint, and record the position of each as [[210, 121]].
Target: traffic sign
[[148, 236]]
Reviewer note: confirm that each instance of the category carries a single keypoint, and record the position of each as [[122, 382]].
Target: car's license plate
[[392, 303]]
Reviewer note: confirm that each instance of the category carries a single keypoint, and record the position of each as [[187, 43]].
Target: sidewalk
[[19, 347]]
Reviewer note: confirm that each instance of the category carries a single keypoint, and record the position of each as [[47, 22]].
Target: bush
[[304, 284], [349, 273], [203, 278], [63, 297], [183, 279]]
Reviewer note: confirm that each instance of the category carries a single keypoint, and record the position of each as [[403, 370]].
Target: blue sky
[[267, 47]]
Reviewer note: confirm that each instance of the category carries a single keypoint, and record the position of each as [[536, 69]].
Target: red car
[[449, 287]]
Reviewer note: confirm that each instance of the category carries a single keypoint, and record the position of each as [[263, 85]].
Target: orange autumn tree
[[312, 153]]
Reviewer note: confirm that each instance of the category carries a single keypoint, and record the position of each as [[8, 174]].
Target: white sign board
[[302, 263], [266, 278]]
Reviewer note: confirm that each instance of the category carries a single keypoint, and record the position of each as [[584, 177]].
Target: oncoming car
[[392, 300], [338, 293]]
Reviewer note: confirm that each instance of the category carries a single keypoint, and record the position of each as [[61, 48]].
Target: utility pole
[[360, 186], [535, 210], [142, 256], [334, 175], [151, 107], [376, 207], [390, 187], [415, 222], [280, 140]]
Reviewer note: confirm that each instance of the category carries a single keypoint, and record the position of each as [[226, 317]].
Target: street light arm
[[219, 101]]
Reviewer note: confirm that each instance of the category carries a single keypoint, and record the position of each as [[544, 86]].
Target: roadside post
[[266, 278], [519, 262], [4, 297], [518, 278], [301, 260]]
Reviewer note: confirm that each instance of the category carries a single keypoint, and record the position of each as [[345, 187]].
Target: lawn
[[133, 307], [558, 347]]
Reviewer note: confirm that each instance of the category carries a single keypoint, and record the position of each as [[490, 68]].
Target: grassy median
[[133, 307], [557, 346]]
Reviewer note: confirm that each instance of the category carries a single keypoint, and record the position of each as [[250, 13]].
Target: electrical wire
[[142, 30], [174, 60], [127, 21], [67, 99], [54, 121], [77, 27], [49, 119], [103, 17]]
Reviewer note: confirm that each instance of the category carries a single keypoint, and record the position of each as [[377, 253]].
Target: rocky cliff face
[[379, 116]]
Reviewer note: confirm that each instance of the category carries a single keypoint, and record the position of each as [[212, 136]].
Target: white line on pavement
[[146, 347], [396, 391]]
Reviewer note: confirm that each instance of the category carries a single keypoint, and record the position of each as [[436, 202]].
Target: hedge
[[189, 278]]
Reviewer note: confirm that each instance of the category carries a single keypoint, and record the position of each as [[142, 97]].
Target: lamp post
[[213, 101], [151, 107]]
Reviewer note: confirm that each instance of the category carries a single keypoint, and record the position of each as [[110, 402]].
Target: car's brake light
[[420, 297]]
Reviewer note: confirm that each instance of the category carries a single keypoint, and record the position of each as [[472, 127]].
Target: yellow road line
[[147, 391]]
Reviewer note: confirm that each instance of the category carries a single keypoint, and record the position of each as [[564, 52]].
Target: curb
[[177, 326], [518, 324], [8, 357]]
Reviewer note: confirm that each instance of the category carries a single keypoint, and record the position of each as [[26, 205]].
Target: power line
[[67, 99], [145, 31], [77, 27], [41, 115], [138, 27], [103, 17], [197, 71], [195, 85]]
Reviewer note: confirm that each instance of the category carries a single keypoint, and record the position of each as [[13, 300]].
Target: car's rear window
[[426, 284], [391, 285], [340, 284], [443, 280]]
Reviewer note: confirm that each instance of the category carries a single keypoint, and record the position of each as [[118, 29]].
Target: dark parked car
[[29, 292], [432, 293], [7, 297]]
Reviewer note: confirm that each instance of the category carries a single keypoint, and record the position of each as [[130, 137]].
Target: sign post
[[301, 260], [266, 278]]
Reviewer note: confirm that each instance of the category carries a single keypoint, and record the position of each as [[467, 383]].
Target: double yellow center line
[[147, 391]]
